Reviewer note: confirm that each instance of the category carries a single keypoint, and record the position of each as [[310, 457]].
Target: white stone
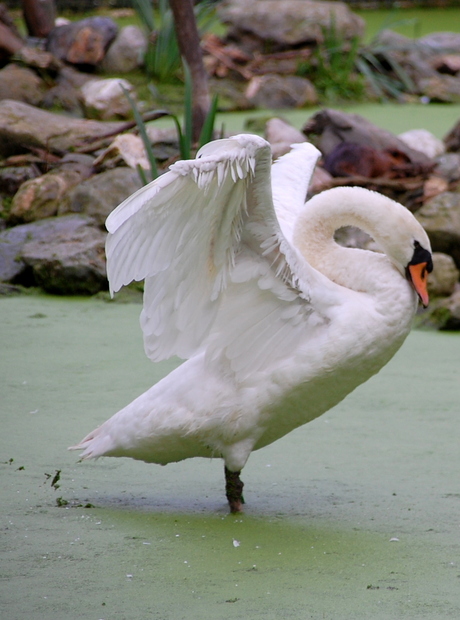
[[424, 141]]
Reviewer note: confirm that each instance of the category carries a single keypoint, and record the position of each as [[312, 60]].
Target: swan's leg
[[234, 490]]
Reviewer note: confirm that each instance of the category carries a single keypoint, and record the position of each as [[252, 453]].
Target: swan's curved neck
[[324, 214]]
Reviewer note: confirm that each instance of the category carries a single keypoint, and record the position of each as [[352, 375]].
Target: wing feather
[[291, 175], [219, 274]]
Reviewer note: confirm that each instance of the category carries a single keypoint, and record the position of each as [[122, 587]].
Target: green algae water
[[437, 118], [355, 515], [413, 22]]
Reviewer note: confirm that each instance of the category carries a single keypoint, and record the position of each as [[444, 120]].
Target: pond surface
[[397, 118], [355, 515], [413, 23]]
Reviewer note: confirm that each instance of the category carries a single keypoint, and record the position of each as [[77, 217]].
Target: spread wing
[[219, 274], [291, 175]]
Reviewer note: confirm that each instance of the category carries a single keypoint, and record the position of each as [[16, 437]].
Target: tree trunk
[[39, 16], [189, 45]]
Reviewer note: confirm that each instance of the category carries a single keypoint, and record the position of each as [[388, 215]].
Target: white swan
[[277, 322]]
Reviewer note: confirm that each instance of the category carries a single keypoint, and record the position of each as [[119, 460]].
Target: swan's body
[[277, 322]]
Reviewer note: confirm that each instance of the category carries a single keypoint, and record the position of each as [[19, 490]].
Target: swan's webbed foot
[[234, 490]]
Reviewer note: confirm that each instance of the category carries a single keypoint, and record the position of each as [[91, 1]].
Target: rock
[[69, 76], [277, 91], [62, 21], [82, 43], [421, 60], [21, 84], [440, 217], [333, 127], [81, 162], [349, 159], [441, 88], [452, 320], [448, 167], [127, 149], [433, 186], [320, 181], [444, 277], [452, 139], [289, 23], [231, 93], [40, 198], [23, 126], [444, 315], [12, 177], [35, 57], [105, 99], [281, 135], [126, 53], [440, 42], [164, 142], [99, 195], [447, 63], [12, 240], [66, 94], [424, 141], [69, 263]]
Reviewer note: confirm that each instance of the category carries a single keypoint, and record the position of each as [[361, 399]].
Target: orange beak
[[419, 279]]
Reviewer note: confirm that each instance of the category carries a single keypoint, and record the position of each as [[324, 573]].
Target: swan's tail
[[94, 445]]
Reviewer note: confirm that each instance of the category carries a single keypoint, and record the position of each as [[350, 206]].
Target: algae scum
[[355, 515]]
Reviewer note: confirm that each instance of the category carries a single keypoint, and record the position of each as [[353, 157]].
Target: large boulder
[[281, 136], [443, 314], [98, 196], [105, 99], [452, 316], [127, 51], [23, 126], [288, 23], [12, 241], [448, 167], [332, 127], [452, 139], [21, 84], [444, 277], [441, 88], [65, 94], [424, 141], [278, 92], [12, 177], [68, 264], [39, 198], [440, 42], [82, 43], [433, 74], [440, 217]]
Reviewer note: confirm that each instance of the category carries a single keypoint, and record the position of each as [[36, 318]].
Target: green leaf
[[143, 134], [207, 131], [188, 113]]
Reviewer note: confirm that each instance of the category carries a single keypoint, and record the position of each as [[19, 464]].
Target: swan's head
[[407, 245], [417, 270]]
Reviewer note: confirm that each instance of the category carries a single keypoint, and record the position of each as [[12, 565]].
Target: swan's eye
[[420, 256]]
